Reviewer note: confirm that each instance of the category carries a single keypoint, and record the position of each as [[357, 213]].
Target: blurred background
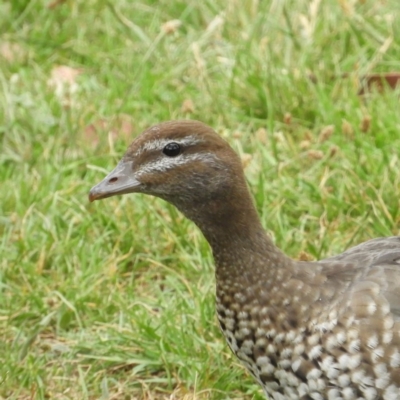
[[115, 300]]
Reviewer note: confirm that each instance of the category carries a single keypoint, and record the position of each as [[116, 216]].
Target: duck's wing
[[375, 265], [362, 289], [365, 280]]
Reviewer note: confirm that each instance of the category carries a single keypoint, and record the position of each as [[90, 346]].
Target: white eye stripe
[[159, 144], [165, 163]]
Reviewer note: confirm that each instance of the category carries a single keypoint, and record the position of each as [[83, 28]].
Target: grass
[[115, 300]]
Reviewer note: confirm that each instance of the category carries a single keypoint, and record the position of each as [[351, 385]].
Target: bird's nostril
[[112, 180]]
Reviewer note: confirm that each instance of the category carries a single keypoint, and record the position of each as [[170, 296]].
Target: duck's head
[[183, 162]]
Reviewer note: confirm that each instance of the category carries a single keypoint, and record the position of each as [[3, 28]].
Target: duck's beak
[[120, 181]]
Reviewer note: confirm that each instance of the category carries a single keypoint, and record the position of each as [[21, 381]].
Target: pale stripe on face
[[165, 163], [159, 144]]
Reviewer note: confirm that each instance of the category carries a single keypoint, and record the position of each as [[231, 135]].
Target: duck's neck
[[233, 229]]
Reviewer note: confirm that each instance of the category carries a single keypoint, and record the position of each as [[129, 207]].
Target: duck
[[309, 330]]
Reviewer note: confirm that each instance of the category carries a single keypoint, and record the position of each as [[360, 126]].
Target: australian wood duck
[[305, 330]]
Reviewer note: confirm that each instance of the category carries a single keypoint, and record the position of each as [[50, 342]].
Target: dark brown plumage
[[305, 330]]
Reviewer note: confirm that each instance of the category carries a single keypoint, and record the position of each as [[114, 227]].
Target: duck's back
[[374, 249]]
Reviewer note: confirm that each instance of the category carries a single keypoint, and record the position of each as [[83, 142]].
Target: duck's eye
[[172, 149]]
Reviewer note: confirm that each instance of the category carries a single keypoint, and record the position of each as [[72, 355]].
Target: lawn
[[115, 300]]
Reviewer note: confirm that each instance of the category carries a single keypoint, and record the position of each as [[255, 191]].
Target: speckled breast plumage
[[304, 363], [324, 339]]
